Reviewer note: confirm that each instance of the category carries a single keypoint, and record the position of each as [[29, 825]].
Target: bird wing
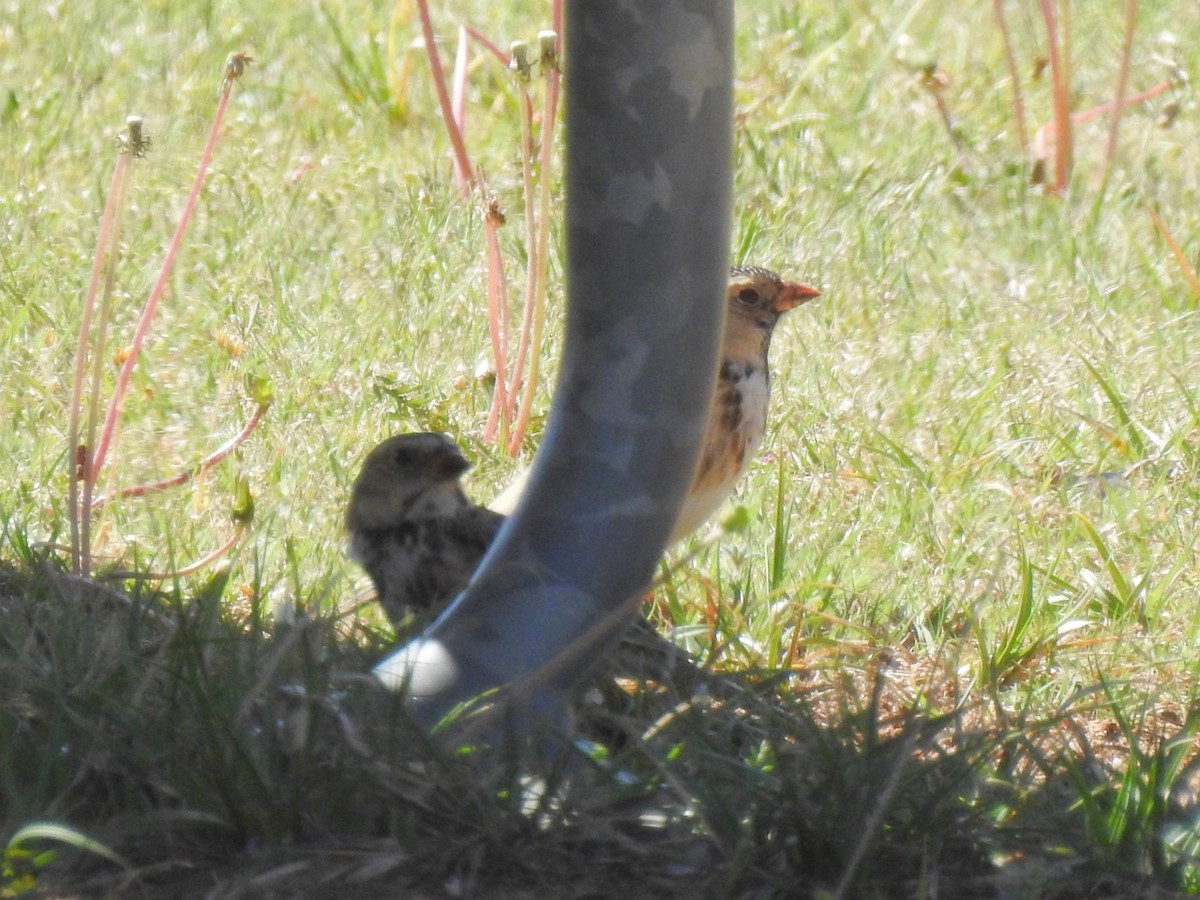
[[473, 530], [427, 563]]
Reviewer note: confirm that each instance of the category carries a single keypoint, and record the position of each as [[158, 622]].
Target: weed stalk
[[1110, 149], [498, 415], [87, 463], [462, 162], [107, 246], [210, 461], [512, 395], [234, 67], [522, 70], [548, 63], [1013, 77], [1061, 96]]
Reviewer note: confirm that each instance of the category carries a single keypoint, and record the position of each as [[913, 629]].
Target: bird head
[[757, 298], [400, 473]]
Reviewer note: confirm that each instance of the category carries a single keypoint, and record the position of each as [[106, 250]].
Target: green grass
[[972, 540]]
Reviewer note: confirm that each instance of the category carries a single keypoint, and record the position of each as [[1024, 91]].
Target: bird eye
[[748, 295]]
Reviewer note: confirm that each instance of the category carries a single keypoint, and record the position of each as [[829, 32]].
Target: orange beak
[[792, 294]]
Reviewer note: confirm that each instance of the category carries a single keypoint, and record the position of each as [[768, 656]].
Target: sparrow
[[420, 538], [755, 299], [413, 528]]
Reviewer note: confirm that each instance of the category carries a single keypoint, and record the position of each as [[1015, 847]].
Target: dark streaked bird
[[420, 539], [411, 526]]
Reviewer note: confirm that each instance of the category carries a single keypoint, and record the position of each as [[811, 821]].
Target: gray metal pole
[[648, 119]]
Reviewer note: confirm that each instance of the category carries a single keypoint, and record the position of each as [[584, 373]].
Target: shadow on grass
[[222, 757]]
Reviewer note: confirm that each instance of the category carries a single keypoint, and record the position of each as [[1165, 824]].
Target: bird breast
[[733, 435]]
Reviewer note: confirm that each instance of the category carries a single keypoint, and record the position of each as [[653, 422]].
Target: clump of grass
[[186, 737]]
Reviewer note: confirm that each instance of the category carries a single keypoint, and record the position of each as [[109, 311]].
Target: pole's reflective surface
[[648, 130]]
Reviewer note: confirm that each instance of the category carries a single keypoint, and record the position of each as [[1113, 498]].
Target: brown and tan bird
[[755, 299], [420, 538]]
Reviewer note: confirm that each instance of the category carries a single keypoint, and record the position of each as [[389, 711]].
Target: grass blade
[[1132, 432]]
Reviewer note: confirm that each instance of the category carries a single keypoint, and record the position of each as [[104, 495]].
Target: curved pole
[[648, 119]]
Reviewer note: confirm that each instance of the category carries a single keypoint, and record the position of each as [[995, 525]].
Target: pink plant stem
[[960, 150], [156, 292], [99, 346], [1097, 111], [527, 316], [542, 246], [458, 101], [517, 378], [1062, 113], [502, 303], [498, 415], [1042, 135], [498, 324], [482, 40], [204, 465], [77, 461], [1110, 149], [462, 161], [197, 565], [1013, 77]]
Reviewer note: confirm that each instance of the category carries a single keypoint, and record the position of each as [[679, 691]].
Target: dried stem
[[78, 455], [516, 379], [1062, 102], [234, 67], [490, 46], [493, 218], [1096, 112], [194, 566], [550, 56], [91, 474], [1013, 77], [1110, 149], [139, 490], [461, 161], [511, 383], [935, 81], [498, 324], [1043, 134], [458, 102], [1189, 272]]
